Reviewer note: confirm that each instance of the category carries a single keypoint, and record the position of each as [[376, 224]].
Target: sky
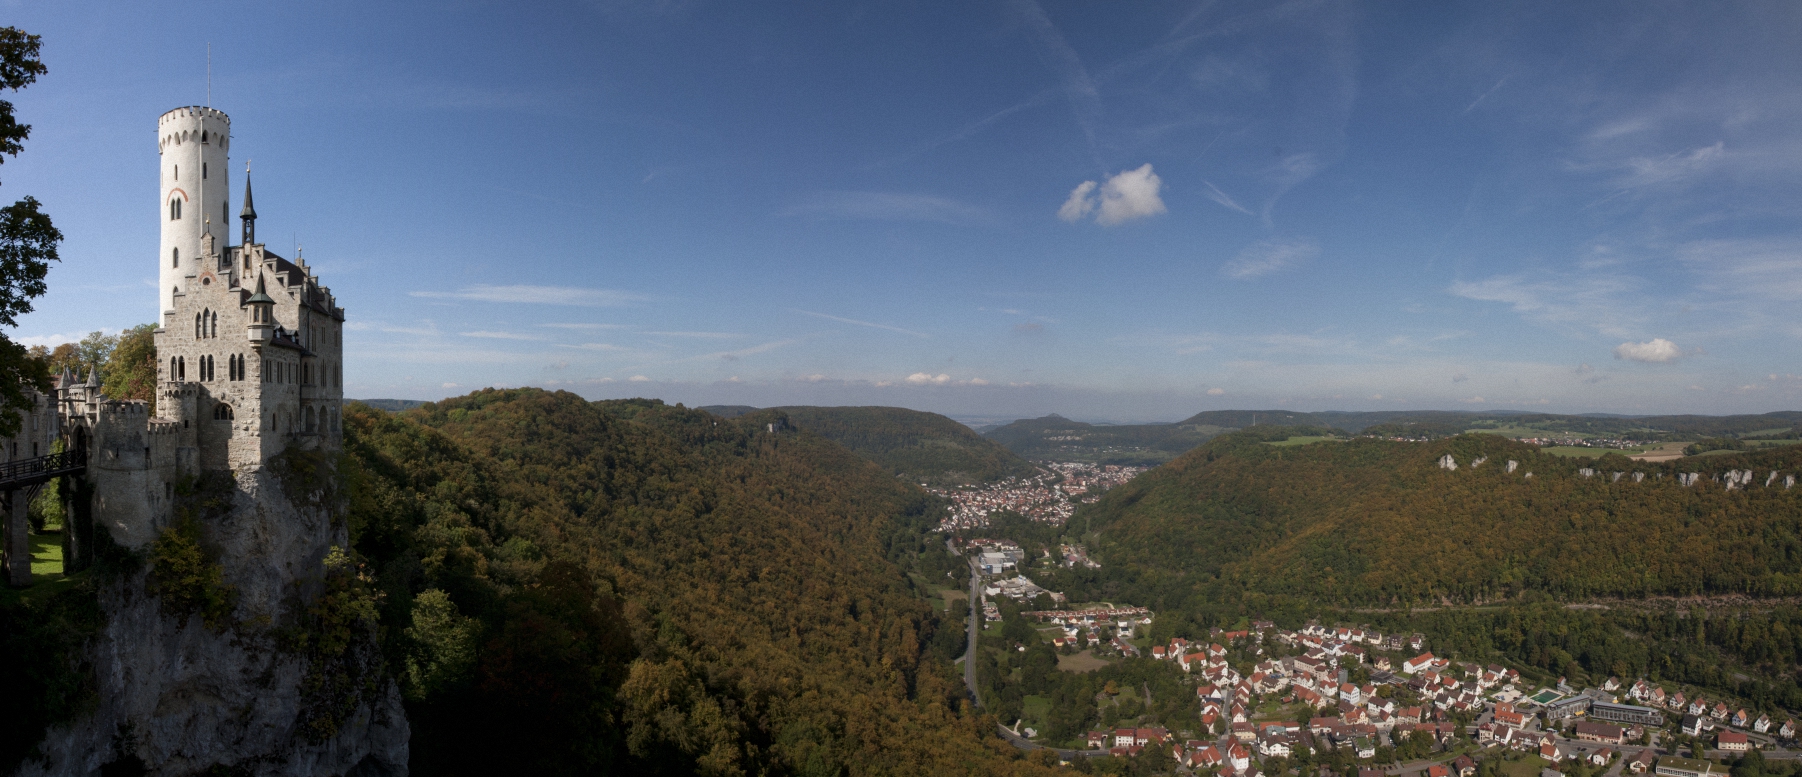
[[991, 209]]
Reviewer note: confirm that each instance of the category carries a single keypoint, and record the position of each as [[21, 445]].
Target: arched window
[[203, 164], [181, 368], [173, 367], [222, 412], [175, 257], [213, 325], [309, 421], [175, 209], [178, 172]]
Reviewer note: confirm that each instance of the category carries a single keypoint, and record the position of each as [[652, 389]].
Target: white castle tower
[[249, 349], [196, 188]]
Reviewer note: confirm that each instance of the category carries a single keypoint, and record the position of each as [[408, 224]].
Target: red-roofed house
[[1417, 663]]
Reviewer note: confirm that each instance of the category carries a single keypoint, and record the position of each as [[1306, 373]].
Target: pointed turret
[[262, 314], [248, 216]]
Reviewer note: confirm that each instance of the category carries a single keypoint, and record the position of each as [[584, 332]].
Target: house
[[1676, 701], [1731, 740], [1097, 740], [1464, 766], [1244, 732], [1365, 747], [1382, 664], [1205, 758], [1506, 714], [1601, 757], [1741, 719], [1692, 725], [1720, 711], [1417, 663], [1274, 744], [1762, 724], [1150, 736], [1126, 737], [1438, 770], [1352, 693], [1788, 731], [1697, 706], [1238, 758], [1590, 731], [1612, 684], [1159, 652], [1549, 751], [1642, 763]]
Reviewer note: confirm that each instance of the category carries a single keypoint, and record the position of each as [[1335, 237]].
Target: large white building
[[249, 351]]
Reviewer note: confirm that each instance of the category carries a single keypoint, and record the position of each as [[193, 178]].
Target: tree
[[27, 238], [131, 365]]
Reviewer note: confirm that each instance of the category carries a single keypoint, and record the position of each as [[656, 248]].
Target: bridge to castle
[[20, 482]]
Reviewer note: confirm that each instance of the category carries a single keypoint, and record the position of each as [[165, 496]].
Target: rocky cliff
[[239, 640]]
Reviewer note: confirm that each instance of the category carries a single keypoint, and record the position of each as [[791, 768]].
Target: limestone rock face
[[181, 697]]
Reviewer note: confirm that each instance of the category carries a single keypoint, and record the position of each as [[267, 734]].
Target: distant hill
[[1368, 521], [920, 447], [391, 405], [1055, 437], [727, 411]]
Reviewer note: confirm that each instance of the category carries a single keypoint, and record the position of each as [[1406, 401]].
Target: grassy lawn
[[1034, 709], [1525, 767], [46, 557], [954, 597], [1085, 661]]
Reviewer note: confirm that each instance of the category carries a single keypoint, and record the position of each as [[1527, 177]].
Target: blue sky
[[987, 209]]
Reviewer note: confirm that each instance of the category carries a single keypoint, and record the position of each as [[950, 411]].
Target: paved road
[[970, 669]]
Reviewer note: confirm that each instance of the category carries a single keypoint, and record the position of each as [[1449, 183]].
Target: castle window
[[203, 164], [178, 172], [213, 326], [222, 412], [175, 209], [175, 257]]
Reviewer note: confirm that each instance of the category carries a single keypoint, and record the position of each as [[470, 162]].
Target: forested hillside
[[1373, 522], [919, 447], [572, 588]]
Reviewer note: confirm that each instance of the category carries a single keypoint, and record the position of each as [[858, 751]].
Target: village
[[1383, 704], [1049, 497]]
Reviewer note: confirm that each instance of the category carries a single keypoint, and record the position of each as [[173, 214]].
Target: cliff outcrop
[[239, 640]]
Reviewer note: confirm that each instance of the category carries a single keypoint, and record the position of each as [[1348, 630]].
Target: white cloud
[[449, 385], [1080, 204], [702, 335], [584, 326], [639, 379], [928, 379], [593, 347], [1657, 350], [1129, 195], [978, 382], [1216, 392], [536, 295], [48, 341], [1132, 194], [1268, 256], [1596, 301]]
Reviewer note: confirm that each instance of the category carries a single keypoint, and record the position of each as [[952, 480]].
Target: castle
[[249, 349]]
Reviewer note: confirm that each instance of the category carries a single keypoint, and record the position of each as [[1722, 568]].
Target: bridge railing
[[42, 466]]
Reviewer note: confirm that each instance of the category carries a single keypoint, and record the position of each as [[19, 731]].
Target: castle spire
[[249, 215]]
